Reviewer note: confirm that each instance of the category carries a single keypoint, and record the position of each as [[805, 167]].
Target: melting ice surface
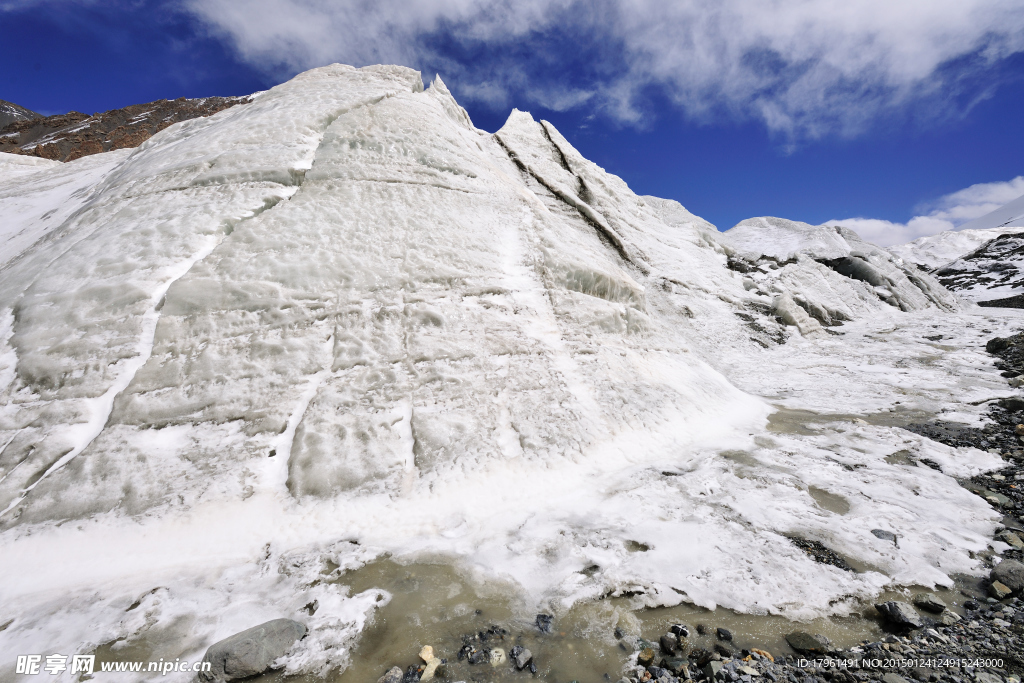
[[340, 322]]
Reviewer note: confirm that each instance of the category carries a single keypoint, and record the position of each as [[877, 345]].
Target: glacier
[[340, 322]]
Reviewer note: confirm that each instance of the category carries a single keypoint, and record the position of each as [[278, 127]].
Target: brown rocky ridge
[[66, 137]]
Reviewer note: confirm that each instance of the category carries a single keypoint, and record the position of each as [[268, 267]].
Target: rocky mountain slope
[[341, 323], [70, 136], [10, 113]]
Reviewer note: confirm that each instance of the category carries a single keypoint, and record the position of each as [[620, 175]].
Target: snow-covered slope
[[992, 272], [982, 261], [342, 314], [947, 246]]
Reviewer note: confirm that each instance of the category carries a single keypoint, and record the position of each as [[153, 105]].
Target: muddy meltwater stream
[[439, 604]]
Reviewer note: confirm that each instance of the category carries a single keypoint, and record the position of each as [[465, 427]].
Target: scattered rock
[[805, 643], [1000, 591], [412, 674], [521, 657], [712, 670], [723, 634], [1011, 574], [929, 602], [427, 653], [431, 669], [544, 622], [497, 657], [949, 618], [749, 671], [678, 666], [680, 630], [884, 535], [252, 651], [893, 678], [1011, 539], [900, 614], [393, 675], [669, 643], [645, 657], [479, 656]]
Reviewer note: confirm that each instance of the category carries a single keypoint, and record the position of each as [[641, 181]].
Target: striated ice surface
[[270, 345]]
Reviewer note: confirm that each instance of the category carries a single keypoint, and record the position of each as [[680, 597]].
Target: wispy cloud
[[946, 213], [806, 68]]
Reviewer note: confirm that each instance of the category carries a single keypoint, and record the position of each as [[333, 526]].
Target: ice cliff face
[[342, 313], [822, 275]]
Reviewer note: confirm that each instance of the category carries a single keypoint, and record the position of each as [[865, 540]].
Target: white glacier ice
[[341, 321]]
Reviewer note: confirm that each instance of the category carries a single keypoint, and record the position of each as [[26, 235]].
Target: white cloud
[[948, 212], [807, 68]]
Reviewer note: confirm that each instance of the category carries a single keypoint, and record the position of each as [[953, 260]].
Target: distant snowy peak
[[10, 112], [937, 250], [992, 274], [1010, 215], [984, 261]]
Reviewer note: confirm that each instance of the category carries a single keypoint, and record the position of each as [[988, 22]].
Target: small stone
[[427, 653], [497, 657], [1019, 430], [680, 630], [619, 633], [884, 535], [521, 657], [701, 629], [982, 677], [764, 653], [393, 675], [949, 618], [723, 634], [1011, 574], [893, 678], [251, 651], [1000, 591], [971, 604], [725, 649], [899, 613], [645, 657], [749, 671], [669, 643], [805, 643], [479, 656], [412, 674], [430, 670], [544, 622], [929, 602]]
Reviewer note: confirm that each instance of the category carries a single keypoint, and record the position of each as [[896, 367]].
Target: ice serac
[[829, 271], [341, 321]]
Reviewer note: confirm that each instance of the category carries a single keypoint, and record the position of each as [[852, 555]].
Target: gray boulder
[[929, 602], [805, 643], [900, 613], [252, 651], [1010, 573], [393, 675]]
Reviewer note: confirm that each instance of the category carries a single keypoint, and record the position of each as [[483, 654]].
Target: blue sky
[[815, 111]]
